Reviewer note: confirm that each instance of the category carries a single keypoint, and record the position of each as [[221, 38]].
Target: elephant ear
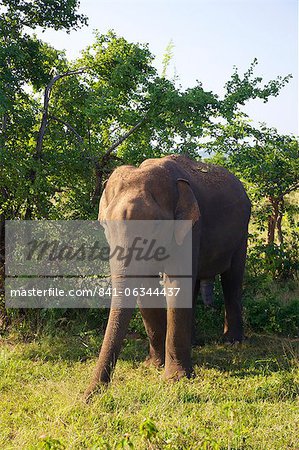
[[186, 209]]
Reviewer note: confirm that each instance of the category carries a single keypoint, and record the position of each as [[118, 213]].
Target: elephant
[[176, 187]]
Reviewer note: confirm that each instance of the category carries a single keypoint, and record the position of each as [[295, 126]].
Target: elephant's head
[[149, 194], [133, 208]]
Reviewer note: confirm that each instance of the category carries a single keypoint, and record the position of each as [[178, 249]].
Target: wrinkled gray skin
[[176, 187]]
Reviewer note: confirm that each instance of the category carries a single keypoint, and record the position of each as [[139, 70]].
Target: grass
[[241, 398]]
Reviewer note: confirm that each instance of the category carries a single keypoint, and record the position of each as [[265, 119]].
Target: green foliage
[[89, 114], [167, 57], [265, 159], [55, 14], [26, 60], [269, 307], [48, 443], [279, 262], [241, 89], [148, 429], [27, 63], [268, 164], [109, 107], [271, 315]]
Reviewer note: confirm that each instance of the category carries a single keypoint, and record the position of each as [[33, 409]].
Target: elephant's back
[[211, 184], [205, 175], [224, 207]]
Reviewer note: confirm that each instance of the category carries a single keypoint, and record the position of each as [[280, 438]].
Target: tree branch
[[66, 124], [47, 94], [291, 189], [123, 138], [43, 126]]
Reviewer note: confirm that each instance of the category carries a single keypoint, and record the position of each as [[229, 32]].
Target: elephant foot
[[153, 361], [93, 388], [177, 372], [232, 343], [197, 341], [232, 340]]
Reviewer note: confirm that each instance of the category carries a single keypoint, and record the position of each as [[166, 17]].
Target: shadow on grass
[[260, 355], [71, 347]]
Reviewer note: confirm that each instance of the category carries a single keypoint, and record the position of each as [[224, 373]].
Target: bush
[[278, 262], [271, 305]]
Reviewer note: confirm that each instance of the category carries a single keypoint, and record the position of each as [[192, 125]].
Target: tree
[[266, 160], [26, 60], [27, 63], [57, 14], [240, 89]]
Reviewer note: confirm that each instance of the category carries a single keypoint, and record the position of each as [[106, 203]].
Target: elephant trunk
[[120, 314]]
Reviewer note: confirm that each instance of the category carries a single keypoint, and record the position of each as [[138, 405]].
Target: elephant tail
[[207, 291]]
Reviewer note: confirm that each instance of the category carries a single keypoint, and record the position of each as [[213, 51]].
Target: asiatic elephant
[[176, 187]]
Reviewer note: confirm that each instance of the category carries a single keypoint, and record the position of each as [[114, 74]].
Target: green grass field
[[241, 398]]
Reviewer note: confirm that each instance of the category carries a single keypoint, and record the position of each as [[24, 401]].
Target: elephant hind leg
[[231, 281]]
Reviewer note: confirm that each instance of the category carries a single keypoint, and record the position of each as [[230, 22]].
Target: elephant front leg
[[179, 329], [154, 316], [154, 320]]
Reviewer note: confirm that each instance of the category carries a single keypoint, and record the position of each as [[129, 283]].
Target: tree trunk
[[98, 184], [272, 220], [2, 252], [3, 315], [275, 219], [4, 196], [37, 156], [279, 220]]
